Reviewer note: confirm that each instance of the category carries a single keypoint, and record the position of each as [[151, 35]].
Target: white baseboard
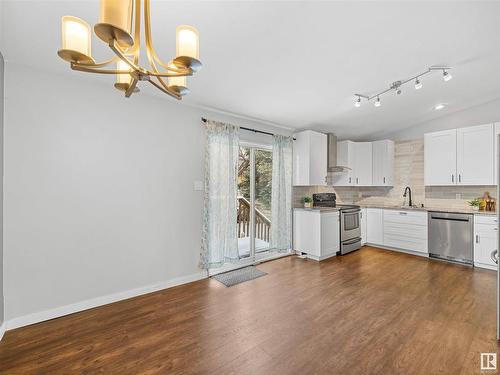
[[417, 253], [99, 301], [2, 330]]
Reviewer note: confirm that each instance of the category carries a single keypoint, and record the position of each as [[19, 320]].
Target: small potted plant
[[475, 203], [308, 202]]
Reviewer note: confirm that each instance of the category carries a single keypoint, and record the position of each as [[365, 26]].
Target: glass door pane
[[244, 205], [262, 191]]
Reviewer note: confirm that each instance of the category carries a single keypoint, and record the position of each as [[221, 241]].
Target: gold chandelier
[[115, 29]]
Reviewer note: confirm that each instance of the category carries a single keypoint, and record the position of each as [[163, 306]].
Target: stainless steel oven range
[[350, 223]]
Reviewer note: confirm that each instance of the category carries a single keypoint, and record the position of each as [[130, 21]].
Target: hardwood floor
[[370, 312]]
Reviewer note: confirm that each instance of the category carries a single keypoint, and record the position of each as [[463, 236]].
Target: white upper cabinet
[[370, 163], [309, 158], [362, 164], [440, 158], [460, 156], [475, 155], [383, 163]]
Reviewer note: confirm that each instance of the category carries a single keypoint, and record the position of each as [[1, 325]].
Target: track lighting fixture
[[396, 86]]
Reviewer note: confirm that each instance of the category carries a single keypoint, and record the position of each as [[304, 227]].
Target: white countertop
[[436, 209], [392, 207]]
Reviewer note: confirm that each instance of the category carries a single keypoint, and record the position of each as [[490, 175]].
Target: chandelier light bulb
[[418, 84], [76, 40], [357, 103], [377, 102], [446, 76]]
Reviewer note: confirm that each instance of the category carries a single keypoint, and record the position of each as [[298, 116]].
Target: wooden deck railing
[[262, 223]]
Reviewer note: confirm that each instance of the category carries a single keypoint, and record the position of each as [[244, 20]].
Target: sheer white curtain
[[219, 238], [281, 197]]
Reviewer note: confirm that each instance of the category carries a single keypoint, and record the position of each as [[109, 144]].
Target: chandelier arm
[[97, 65], [131, 88], [119, 53], [89, 69], [166, 91], [157, 73], [149, 43], [137, 31]]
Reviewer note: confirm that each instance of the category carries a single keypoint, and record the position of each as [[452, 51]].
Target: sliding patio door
[[254, 202]]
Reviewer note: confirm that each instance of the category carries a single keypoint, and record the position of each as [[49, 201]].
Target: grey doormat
[[239, 276]]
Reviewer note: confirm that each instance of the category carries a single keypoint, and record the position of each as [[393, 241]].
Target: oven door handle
[[351, 211]]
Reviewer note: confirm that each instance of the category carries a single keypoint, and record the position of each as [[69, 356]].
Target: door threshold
[[233, 267]]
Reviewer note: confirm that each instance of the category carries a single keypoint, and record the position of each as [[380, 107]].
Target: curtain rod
[[248, 129]]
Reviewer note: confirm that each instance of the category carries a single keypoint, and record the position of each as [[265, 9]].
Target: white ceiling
[[298, 64]]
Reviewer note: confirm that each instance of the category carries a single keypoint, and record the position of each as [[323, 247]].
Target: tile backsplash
[[408, 171]]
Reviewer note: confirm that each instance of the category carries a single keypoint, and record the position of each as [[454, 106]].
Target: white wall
[[481, 114], [99, 191]]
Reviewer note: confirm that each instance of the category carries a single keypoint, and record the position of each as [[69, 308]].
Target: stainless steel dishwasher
[[451, 236]]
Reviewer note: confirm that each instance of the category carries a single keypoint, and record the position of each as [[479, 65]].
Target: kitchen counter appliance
[[350, 223], [451, 236]]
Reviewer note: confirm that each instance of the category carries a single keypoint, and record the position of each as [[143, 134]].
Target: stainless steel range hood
[[332, 156]]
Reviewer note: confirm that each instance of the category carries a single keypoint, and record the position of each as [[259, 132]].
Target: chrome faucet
[[408, 190]]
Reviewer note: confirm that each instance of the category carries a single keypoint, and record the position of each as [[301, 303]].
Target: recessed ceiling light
[[439, 106], [418, 84]]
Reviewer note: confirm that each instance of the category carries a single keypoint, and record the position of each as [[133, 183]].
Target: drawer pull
[[403, 213]]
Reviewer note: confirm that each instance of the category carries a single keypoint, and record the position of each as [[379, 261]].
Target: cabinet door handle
[[357, 180], [477, 238], [452, 178], [403, 213], [349, 179], [459, 178], [384, 180]]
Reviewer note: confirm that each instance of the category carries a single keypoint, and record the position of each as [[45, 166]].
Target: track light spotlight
[[446, 76], [398, 91], [357, 103], [418, 84], [377, 102]]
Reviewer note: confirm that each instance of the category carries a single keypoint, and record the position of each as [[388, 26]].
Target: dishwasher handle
[[465, 219]]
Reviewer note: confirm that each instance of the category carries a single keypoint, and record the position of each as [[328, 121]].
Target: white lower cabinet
[[363, 226], [375, 226], [485, 241], [406, 230], [316, 233]]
